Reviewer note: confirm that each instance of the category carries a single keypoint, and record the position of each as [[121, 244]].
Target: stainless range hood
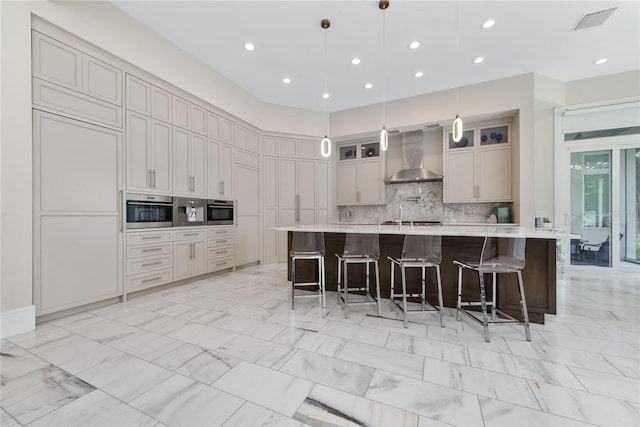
[[412, 156]]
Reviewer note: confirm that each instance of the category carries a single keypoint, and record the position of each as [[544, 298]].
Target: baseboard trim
[[17, 321]]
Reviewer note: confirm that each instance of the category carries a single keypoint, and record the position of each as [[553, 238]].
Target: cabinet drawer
[[190, 235], [149, 250], [148, 264], [219, 232], [144, 281], [218, 253], [220, 264], [215, 242], [152, 237]]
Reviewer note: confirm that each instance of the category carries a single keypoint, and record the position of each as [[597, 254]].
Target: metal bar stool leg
[[378, 289], [523, 305], [493, 304], [323, 283], [392, 285], [483, 303], [440, 302], [293, 281], [339, 278], [423, 297], [346, 290], [459, 302], [404, 294]]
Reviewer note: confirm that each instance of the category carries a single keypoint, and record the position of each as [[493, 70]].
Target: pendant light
[[456, 132], [384, 135], [325, 144]]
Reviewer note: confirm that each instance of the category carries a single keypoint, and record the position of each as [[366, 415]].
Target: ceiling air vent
[[593, 19]]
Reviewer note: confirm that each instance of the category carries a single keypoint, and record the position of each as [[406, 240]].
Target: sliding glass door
[[630, 207]]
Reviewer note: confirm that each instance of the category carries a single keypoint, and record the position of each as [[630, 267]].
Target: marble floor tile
[[198, 363], [104, 331], [250, 414], [31, 396], [201, 315], [628, 367], [96, 409], [125, 377], [174, 310], [616, 386], [524, 367], [264, 353], [430, 348], [587, 407], [310, 341], [339, 374], [606, 334], [80, 355], [73, 320], [395, 326], [408, 364], [45, 337], [274, 390], [205, 336], [146, 345], [565, 356], [251, 327], [484, 383], [598, 345], [354, 332], [137, 317], [330, 407], [502, 414], [469, 338], [294, 319], [182, 401], [443, 404], [16, 362], [7, 420], [163, 325], [250, 311]]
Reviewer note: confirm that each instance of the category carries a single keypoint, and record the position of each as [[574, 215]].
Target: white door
[[459, 180], [181, 177], [161, 148], [494, 174], [226, 170], [199, 260], [138, 148], [369, 183], [198, 165], [214, 184], [182, 259], [346, 184]]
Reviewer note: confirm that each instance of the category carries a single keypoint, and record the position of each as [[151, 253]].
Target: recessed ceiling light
[[325, 95], [478, 60], [600, 61], [488, 23], [249, 46], [418, 74], [286, 80], [368, 86], [414, 45], [355, 61]]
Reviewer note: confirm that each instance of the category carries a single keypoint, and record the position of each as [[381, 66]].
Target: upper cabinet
[[63, 65], [478, 167], [246, 139], [181, 112], [145, 98], [360, 174]]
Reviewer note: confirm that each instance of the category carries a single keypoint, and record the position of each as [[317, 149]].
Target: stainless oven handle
[[148, 204]]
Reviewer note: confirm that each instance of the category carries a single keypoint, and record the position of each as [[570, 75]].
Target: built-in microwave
[[220, 212], [188, 211], [147, 211]]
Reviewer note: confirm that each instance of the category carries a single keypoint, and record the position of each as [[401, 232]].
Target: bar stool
[[307, 245], [359, 249], [417, 252], [504, 255]]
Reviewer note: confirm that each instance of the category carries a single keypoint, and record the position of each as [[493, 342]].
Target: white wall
[[105, 26], [609, 87]]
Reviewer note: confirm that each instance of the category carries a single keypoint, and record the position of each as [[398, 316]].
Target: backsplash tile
[[420, 201]]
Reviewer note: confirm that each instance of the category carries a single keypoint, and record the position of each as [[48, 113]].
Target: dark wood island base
[[539, 274]]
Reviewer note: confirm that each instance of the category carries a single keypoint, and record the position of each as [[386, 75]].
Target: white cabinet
[[246, 139], [360, 174], [181, 112], [148, 154], [189, 163], [247, 237], [220, 248], [189, 253], [137, 95], [63, 65], [323, 198], [149, 259], [161, 104], [478, 167], [219, 170], [78, 218], [198, 120]]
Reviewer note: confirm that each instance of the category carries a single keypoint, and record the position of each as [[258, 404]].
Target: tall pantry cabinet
[[78, 177]]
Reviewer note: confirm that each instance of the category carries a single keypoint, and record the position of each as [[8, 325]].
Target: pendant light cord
[[384, 68], [457, 52]]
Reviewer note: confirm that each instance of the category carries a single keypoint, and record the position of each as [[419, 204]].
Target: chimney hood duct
[[412, 156]]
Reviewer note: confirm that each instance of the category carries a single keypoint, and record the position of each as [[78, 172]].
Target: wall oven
[[188, 211], [220, 212], [147, 211]]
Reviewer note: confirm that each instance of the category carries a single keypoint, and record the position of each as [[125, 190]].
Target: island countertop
[[460, 230]]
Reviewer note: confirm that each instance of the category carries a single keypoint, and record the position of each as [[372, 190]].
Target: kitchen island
[[459, 242]]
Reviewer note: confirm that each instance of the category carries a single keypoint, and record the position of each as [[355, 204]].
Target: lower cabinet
[[219, 249], [189, 253], [149, 259]]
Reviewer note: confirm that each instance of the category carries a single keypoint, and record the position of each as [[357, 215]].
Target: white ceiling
[[529, 36]]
